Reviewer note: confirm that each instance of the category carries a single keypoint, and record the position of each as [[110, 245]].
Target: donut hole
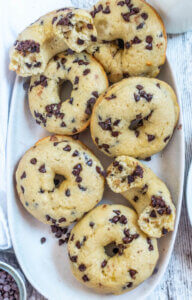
[[58, 179], [111, 249], [66, 88]]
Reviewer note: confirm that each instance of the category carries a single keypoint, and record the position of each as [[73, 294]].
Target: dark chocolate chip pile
[[60, 233], [8, 287]]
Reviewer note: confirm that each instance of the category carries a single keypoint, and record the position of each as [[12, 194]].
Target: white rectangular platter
[[46, 265]]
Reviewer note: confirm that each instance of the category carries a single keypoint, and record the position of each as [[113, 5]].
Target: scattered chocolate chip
[[91, 224], [82, 267], [23, 175], [61, 220], [23, 190], [73, 258], [43, 240], [121, 3], [86, 71], [85, 278], [132, 273], [80, 41], [115, 219], [27, 46], [90, 26], [75, 153], [140, 26], [153, 214], [67, 192], [8, 287], [67, 148], [150, 248], [76, 81], [139, 87], [150, 137], [164, 230], [33, 161], [103, 264], [167, 138], [93, 38], [107, 10], [149, 39], [136, 198], [42, 169], [136, 40], [130, 284], [144, 16]]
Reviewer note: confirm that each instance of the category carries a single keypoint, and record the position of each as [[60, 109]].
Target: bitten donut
[[72, 115], [109, 253], [58, 180], [139, 34], [135, 117], [146, 192], [52, 33]]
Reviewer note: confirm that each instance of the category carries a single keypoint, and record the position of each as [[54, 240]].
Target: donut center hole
[[111, 249], [66, 90], [58, 179], [120, 43]]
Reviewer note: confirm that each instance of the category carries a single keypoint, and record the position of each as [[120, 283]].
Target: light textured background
[[177, 281]]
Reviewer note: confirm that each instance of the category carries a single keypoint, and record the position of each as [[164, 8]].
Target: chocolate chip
[[107, 10], [137, 97], [136, 198], [140, 26], [86, 71], [158, 85], [115, 219], [78, 179], [117, 212], [136, 40], [61, 242], [97, 140], [115, 133], [132, 273], [130, 179], [139, 87], [91, 224], [121, 3], [80, 41], [82, 188], [67, 148], [82, 267], [85, 278], [73, 258], [167, 138], [106, 125], [76, 81], [8, 286], [116, 123], [23, 190], [23, 175], [90, 26], [71, 100], [43, 240], [33, 161], [137, 133], [63, 124], [150, 248], [61, 220], [164, 230], [150, 137], [123, 219], [103, 264], [75, 153], [54, 20], [42, 169], [153, 214], [89, 162], [149, 47], [130, 284], [144, 16], [149, 39], [67, 192]]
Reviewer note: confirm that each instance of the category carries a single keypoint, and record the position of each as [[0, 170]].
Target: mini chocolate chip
[[130, 284], [42, 169], [23, 190], [61, 220], [43, 240], [86, 71], [73, 258], [123, 219], [115, 133], [78, 179], [103, 264], [139, 87], [140, 26], [136, 40], [82, 267], [76, 81], [149, 47], [89, 162], [137, 97], [132, 273], [153, 214], [107, 10], [67, 192], [85, 278], [158, 85], [80, 41], [90, 26], [167, 138], [93, 38], [149, 39], [33, 161], [117, 212], [91, 224], [75, 153], [63, 124], [144, 16], [121, 3], [61, 242], [164, 230], [23, 175], [67, 148], [136, 198], [115, 219], [150, 137]]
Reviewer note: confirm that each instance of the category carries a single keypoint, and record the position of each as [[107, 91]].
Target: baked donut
[[73, 115], [135, 117], [146, 192], [140, 37], [109, 253], [52, 33], [54, 180]]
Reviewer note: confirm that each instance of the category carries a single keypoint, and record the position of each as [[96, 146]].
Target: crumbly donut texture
[[58, 180], [146, 192], [135, 117], [140, 34], [73, 115], [51, 34], [109, 253]]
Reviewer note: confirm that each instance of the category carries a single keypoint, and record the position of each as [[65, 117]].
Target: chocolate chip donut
[[109, 253], [135, 117], [73, 115], [139, 34], [146, 192], [52, 33], [58, 180]]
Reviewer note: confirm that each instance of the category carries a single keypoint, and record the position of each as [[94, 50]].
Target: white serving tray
[[46, 266]]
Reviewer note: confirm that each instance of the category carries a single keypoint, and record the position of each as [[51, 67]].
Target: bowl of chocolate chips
[[12, 286]]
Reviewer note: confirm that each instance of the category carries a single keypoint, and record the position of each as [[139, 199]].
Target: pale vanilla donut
[[135, 117], [141, 36], [146, 192], [73, 115], [59, 180], [108, 251], [50, 34]]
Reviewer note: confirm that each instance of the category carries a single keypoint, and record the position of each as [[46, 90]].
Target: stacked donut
[[113, 248]]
